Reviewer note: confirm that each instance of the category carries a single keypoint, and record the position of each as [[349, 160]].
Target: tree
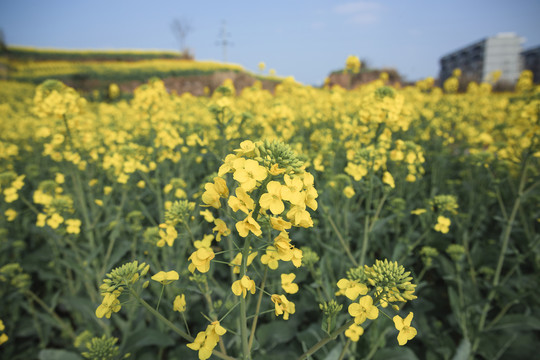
[[3, 46], [181, 29]]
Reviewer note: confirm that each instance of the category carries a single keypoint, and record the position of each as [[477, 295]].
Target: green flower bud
[[330, 311], [390, 281], [179, 212], [103, 348], [456, 252]]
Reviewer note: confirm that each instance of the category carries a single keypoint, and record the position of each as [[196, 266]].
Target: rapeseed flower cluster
[[57, 207], [271, 186], [10, 184], [353, 64], [369, 287], [116, 282], [103, 348]]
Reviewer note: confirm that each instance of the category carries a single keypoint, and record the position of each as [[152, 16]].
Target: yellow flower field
[[304, 223]]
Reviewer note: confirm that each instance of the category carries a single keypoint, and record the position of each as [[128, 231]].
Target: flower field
[[375, 223]]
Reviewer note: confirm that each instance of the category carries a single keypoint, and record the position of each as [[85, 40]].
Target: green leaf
[[395, 353], [454, 301], [517, 322], [335, 352], [146, 337], [121, 250], [57, 354], [463, 351], [276, 332]]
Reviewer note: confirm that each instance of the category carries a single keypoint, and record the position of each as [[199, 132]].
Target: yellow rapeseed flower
[[363, 309], [242, 201], [10, 194], [3, 338], [242, 286], [179, 303], [272, 199], [443, 224], [279, 224], [271, 258], [283, 306], [388, 179], [297, 257], [166, 277], [292, 190], [73, 226], [208, 216], [287, 283], [300, 216], [282, 244], [249, 174], [348, 191], [221, 229], [237, 261], [59, 178], [55, 220], [168, 236], [109, 304], [41, 218], [206, 242], [247, 148], [11, 214], [206, 341], [211, 196], [354, 332], [200, 260], [351, 288], [248, 224], [406, 331]]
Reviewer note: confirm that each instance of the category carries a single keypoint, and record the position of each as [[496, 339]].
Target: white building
[[477, 61]]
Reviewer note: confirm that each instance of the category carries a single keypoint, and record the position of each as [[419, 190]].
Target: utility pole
[[223, 39]]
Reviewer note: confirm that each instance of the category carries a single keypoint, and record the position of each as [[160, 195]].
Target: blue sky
[[305, 39]]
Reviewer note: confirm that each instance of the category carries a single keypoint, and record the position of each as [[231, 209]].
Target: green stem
[[66, 326], [366, 221], [243, 267], [113, 238], [340, 238], [462, 313], [257, 309], [326, 340], [160, 296], [378, 211], [30, 205], [415, 244], [345, 348], [377, 344], [186, 324], [500, 262], [173, 327], [365, 240], [243, 312], [472, 272]]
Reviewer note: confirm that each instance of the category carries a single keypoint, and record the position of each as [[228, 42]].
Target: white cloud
[[360, 12]]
